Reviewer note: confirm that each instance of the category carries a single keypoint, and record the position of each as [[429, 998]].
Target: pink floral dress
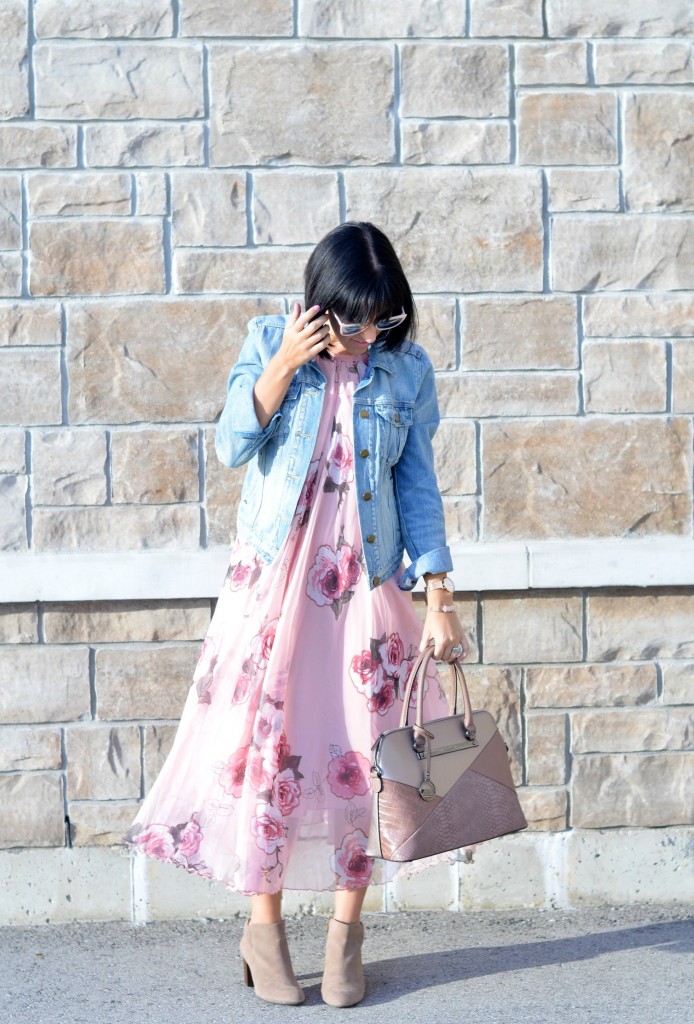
[[266, 785]]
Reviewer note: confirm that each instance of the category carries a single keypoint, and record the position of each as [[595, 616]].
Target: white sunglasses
[[381, 325]]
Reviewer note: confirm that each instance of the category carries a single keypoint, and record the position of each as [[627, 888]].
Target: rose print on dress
[[348, 774], [381, 672], [172, 844], [340, 463], [350, 863], [203, 676], [242, 574], [305, 503], [334, 575]]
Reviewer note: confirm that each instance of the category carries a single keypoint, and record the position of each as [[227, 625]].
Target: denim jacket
[[395, 416]]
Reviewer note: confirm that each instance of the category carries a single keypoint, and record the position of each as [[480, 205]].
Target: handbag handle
[[420, 666]]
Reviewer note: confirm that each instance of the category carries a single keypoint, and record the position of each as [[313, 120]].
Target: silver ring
[[458, 649]]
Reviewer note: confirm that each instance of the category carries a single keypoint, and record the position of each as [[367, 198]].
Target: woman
[[267, 783]]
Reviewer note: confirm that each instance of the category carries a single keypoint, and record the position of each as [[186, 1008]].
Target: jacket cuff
[[436, 560]]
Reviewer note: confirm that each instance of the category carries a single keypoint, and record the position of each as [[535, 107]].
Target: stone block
[[546, 739], [29, 748], [40, 683], [497, 690], [582, 188], [552, 63], [32, 810], [437, 329], [99, 19], [342, 19], [462, 242], [567, 127], [455, 457], [209, 208], [13, 527], [103, 761], [266, 269], [615, 18], [154, 466], [112, 622], [120, 373], [143, 682], [544, 808], [461, 518], [624, 376], [646, 790], [19, 624], [634, 729], [548, 479], [506, 18], [628, 625], [678, 682], [29, 323], [523, 629], [157, 743], [524, 333], [167, 892], [10, 211], [659, 153], [14, 83], [510, 872], [214, 18], [151, 193], [10, 275], [291, 208], [68, 467], [12, 451], [682, 377], [454, 80], [334, 107], [152, 145], [435, 887], [622, 61], [572, 686], [511, 393], [101, 823], [87, 257], [456, 142], [38, 145], [649, 315], [79, 194], [121, 528], [31, 386], [222, 494], [118, 81]]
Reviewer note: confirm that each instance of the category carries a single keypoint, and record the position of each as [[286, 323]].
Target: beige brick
[[461, 518], [32, 810], [38, 145], [455, 458], [683, 376], [13, 528], [462, 242], [635, 63], [454, 80], [209, 208], [158, 740], [14, 82], [549, 63], [114, 81], [222, 494], [44, 683], [624, 376], [568, 686], [626, 625], [511, 333], [615, 18], [152, 145], [544, 809], [634, 729], [143, 682], [567, 128], [68, 467], [508, 394], [150, 188], [99, 823], [548, 480], [10, 275], [497, 690], [122, 374], [125, 621], [645, 790], [214, 18], [98, 19], [522, 629], [63, 194], [10, 211], [334, 107], [363, 19], [29, 323], [31, 386], [456, 142], [585, 188], [622, 316], [678, 682], [18, 624], [291, 208], [506, 18], [121, 528], [659, 153], [154, 466], [436, 331], [86, 257], [103, 762], [546, 736], [29, 748], [247, 270]]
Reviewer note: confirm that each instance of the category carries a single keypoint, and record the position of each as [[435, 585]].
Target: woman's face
[[355, 344]]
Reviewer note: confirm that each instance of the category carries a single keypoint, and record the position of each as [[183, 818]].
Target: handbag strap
[[420, 668]]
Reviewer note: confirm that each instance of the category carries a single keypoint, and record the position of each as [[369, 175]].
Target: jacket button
[[397, 417], [367, 495], [376, 580], [371, 538], [364, 413], [364, 453]]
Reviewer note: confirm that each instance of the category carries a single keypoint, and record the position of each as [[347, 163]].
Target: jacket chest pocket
[[392, 424]]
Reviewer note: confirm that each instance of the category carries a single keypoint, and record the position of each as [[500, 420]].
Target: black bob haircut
[[354, 272]]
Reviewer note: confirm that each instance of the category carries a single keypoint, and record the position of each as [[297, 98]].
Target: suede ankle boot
[[266, 963], [343, 976]]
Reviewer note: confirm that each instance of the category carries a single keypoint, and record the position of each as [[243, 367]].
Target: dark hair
[[354, 271]]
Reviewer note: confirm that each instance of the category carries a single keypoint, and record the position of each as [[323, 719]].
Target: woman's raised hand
[[305, 335]]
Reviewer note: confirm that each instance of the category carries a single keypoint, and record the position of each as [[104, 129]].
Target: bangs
[[368, 301]]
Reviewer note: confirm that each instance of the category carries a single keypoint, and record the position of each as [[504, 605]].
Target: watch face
[[449, 585]]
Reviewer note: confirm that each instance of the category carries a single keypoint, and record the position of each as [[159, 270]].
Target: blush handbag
[[443, 784]]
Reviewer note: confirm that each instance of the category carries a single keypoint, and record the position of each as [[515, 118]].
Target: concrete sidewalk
[[607, 965]]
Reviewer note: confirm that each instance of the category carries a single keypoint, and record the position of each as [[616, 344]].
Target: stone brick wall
[[165, 169]]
